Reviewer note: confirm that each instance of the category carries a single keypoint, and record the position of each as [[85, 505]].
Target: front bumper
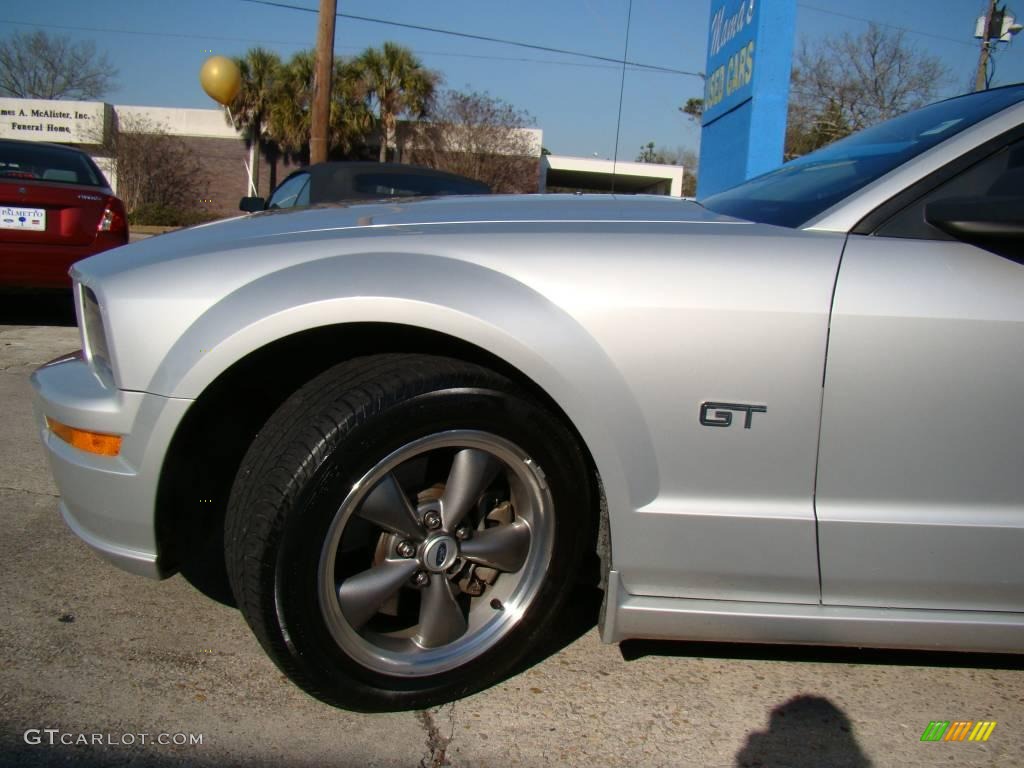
[[109, 502]]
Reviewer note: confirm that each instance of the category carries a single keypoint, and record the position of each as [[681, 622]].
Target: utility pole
[[322, 82], [982, 75]]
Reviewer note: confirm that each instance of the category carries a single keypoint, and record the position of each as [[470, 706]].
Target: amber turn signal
[[90, 442]]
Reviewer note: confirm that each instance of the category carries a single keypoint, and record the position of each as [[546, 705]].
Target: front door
[[920, 494]]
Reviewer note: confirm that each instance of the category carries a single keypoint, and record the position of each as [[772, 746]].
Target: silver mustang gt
[[401, 432]]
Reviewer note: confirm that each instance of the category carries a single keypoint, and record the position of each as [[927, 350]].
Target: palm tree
[[396, 84], [261, 73], [291, 109], [289, 116], [351, 118]]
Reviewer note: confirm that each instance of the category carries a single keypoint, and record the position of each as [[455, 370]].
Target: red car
[[56, 207]]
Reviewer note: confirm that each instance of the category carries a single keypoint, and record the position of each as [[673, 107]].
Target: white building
[[225, 160]]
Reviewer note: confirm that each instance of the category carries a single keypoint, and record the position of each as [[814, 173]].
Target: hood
[[351, 220], [151, 292]]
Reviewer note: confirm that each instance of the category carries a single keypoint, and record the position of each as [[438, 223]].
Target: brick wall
[[224, 178]]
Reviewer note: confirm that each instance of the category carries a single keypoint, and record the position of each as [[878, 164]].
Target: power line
[[147, 33], [483, 38], [297, 44], [883, 24]]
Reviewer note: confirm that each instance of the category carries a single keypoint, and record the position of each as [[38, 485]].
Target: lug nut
[[406, 549], [432, 520], [421, 579], [462, 532]]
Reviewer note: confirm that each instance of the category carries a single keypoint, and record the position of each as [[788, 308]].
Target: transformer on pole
[[995, 26]]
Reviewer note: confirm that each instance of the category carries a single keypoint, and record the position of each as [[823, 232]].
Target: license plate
[[23, 218]]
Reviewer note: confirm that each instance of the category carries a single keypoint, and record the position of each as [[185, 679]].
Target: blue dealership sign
[[731, 51], [746, 92]]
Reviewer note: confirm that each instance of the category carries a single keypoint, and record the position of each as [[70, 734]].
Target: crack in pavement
[[26, 490], [437, 756]]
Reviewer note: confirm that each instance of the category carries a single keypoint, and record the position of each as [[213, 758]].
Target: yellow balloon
[[220, 79]]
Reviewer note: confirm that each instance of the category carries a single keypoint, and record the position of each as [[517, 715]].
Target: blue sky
[[159, 46]]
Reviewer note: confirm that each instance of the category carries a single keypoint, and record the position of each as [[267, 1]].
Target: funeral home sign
[[64, 122]]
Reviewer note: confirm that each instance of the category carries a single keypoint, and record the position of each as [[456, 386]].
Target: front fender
[[463, 300]]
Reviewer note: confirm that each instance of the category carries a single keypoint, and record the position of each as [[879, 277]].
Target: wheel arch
[[245, 354], [212, 439]]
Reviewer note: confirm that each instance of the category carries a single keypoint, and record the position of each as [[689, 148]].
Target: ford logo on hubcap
[[440, 553]]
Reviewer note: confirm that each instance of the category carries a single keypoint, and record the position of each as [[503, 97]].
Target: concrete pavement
[[87, 649]]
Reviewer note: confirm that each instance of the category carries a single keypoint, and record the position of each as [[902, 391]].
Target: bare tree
[[41, 66], [844, 84], [477, 135], [155, 170]]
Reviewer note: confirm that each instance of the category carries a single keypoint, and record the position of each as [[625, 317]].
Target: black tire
[[307, 461]]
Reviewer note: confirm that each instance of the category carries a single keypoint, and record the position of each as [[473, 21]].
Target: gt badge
[[721, 417]]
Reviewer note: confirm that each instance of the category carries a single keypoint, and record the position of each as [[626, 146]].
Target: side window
[[999, 175], [401, 185], [389, 185], [302, 199], [288, 194]]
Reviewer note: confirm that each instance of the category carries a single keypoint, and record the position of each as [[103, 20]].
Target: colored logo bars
[[958, 730]]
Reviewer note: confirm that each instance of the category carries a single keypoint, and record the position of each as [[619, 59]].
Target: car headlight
[[94, 337]]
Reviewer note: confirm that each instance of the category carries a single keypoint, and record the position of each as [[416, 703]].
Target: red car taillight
[[113, 219]]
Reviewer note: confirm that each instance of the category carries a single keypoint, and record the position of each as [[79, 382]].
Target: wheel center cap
[[439, 554]]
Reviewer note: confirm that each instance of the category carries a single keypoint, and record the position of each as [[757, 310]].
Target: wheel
[[405, 529]]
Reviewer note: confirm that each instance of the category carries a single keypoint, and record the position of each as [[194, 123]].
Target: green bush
[[156, 215]]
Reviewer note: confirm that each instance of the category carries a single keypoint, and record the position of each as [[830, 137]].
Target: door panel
[[920, 497], [738, 315]]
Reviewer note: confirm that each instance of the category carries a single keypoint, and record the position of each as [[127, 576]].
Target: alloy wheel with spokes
[[441, 572]]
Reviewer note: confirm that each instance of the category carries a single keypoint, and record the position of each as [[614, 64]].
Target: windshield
[[807, 186]]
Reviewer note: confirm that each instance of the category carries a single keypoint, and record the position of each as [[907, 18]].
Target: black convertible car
[[341, 181]]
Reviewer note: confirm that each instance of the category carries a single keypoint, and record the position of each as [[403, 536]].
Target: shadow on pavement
[[805, 732], [636, 649], [207, 574], [37, 308]]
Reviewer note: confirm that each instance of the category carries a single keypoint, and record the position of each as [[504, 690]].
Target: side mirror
[[980, 221], [252, 204]]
